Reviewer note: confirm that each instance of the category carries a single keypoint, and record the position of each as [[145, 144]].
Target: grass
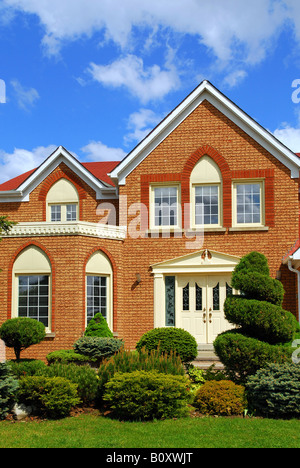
[[93, 431]]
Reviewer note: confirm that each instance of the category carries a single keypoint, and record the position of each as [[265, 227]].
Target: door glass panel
[[228, 290], [170, 301], [186, 297], [198, 297], [216, 297]]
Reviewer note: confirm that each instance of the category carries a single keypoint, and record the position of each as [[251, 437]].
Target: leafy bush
[[196, 377], [98, 327], [26, 367], [128, 361], [265, 327], [274, 391], [96, 347], [21, 333], [144, 395], [222, 398], [8, 388], [243, 356], [83, 376], [54, 396], [66, 356], [168, 340]]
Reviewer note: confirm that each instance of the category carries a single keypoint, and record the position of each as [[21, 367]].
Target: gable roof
[[205, 91], [93, 173]]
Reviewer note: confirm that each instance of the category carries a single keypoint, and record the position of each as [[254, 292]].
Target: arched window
[[99, 290], [32, 286], [62, 202], [206, 190]]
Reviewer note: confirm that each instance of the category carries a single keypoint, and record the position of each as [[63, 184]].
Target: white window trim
[[109, 298], [169, 228], [63, 212], [193, 206], [241, 226]]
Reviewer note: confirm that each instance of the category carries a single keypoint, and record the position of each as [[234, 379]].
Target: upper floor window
[[62, 202], [164, 206], [248, 203], [206, 200]]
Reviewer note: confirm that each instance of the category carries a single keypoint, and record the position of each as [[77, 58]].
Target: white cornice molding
[[205, 91], [78, 228]]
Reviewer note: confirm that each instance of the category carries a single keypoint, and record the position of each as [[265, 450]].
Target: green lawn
[[92, 431]]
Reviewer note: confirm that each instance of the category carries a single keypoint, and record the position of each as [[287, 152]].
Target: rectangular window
[[71, 212], [96, 296], [55, 213], [248, 203], [170, 300], [33, 298], [165, 206], [206, 205]]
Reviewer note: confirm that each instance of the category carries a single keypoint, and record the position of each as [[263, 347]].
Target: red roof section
[[98, 169]]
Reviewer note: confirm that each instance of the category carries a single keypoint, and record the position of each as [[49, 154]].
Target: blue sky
[[97, 75]]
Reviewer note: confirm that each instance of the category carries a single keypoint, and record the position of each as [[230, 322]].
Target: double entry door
[[200, 302]]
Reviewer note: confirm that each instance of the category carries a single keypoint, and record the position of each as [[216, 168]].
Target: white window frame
[[259, 182], [108, 299], [168, 227], [63, 212], [220, 204]]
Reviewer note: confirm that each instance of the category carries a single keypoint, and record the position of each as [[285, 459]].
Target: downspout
[[298, 292]]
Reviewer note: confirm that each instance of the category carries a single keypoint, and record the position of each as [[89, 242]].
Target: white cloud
[[140, 124], [26, 97], [129, 72], [289, 136], [21, 160], [98, 151], [234, 78]]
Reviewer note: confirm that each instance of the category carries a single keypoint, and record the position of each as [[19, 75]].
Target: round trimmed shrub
[[54, 396], [98, 327], [222, 398], [66, 356], [8, 387], [21, 333], [96, 347], [144, 395], [274, 391], [168, 340]]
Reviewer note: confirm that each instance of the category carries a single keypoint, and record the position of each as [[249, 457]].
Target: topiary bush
[[142, 395], [168, 340], [52, 396], [128, 361], [263, 326], [8, 388], [222, 398], [21, 333], [96, 347], [274, 391], [66, 356], [98, 327]]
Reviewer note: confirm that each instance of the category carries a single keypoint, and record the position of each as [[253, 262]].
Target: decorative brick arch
[[10, 277], [62, 172], [114, 282], [226, 179]]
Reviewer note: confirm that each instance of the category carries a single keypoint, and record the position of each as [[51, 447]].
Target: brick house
[[151, 241]]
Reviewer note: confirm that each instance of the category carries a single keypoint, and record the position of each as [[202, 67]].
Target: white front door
[[199, 305]]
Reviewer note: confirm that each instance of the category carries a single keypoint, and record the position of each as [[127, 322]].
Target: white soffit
[[206, 91]]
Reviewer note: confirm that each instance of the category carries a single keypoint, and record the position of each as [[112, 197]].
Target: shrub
[[26, 367], [8, 388], [274, 391], [168, 340], [222, 398], [66, 356], [144, 395], [54, 396], [128, 361], [243, 356], [83, 376], [96, 347], [196, 377], [98, 327], [21, 333]]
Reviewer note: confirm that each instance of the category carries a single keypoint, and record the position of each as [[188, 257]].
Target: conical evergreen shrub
[[263, 328]]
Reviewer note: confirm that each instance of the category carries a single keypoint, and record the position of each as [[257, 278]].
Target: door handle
[[204, 317], [210, 317]]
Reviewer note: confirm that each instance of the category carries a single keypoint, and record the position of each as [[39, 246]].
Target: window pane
[[186, 297], [248, 203], [165, 201], [33, 298], [170, 300], [71, 212], [206, 205], [96, 296], [55, 213]]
